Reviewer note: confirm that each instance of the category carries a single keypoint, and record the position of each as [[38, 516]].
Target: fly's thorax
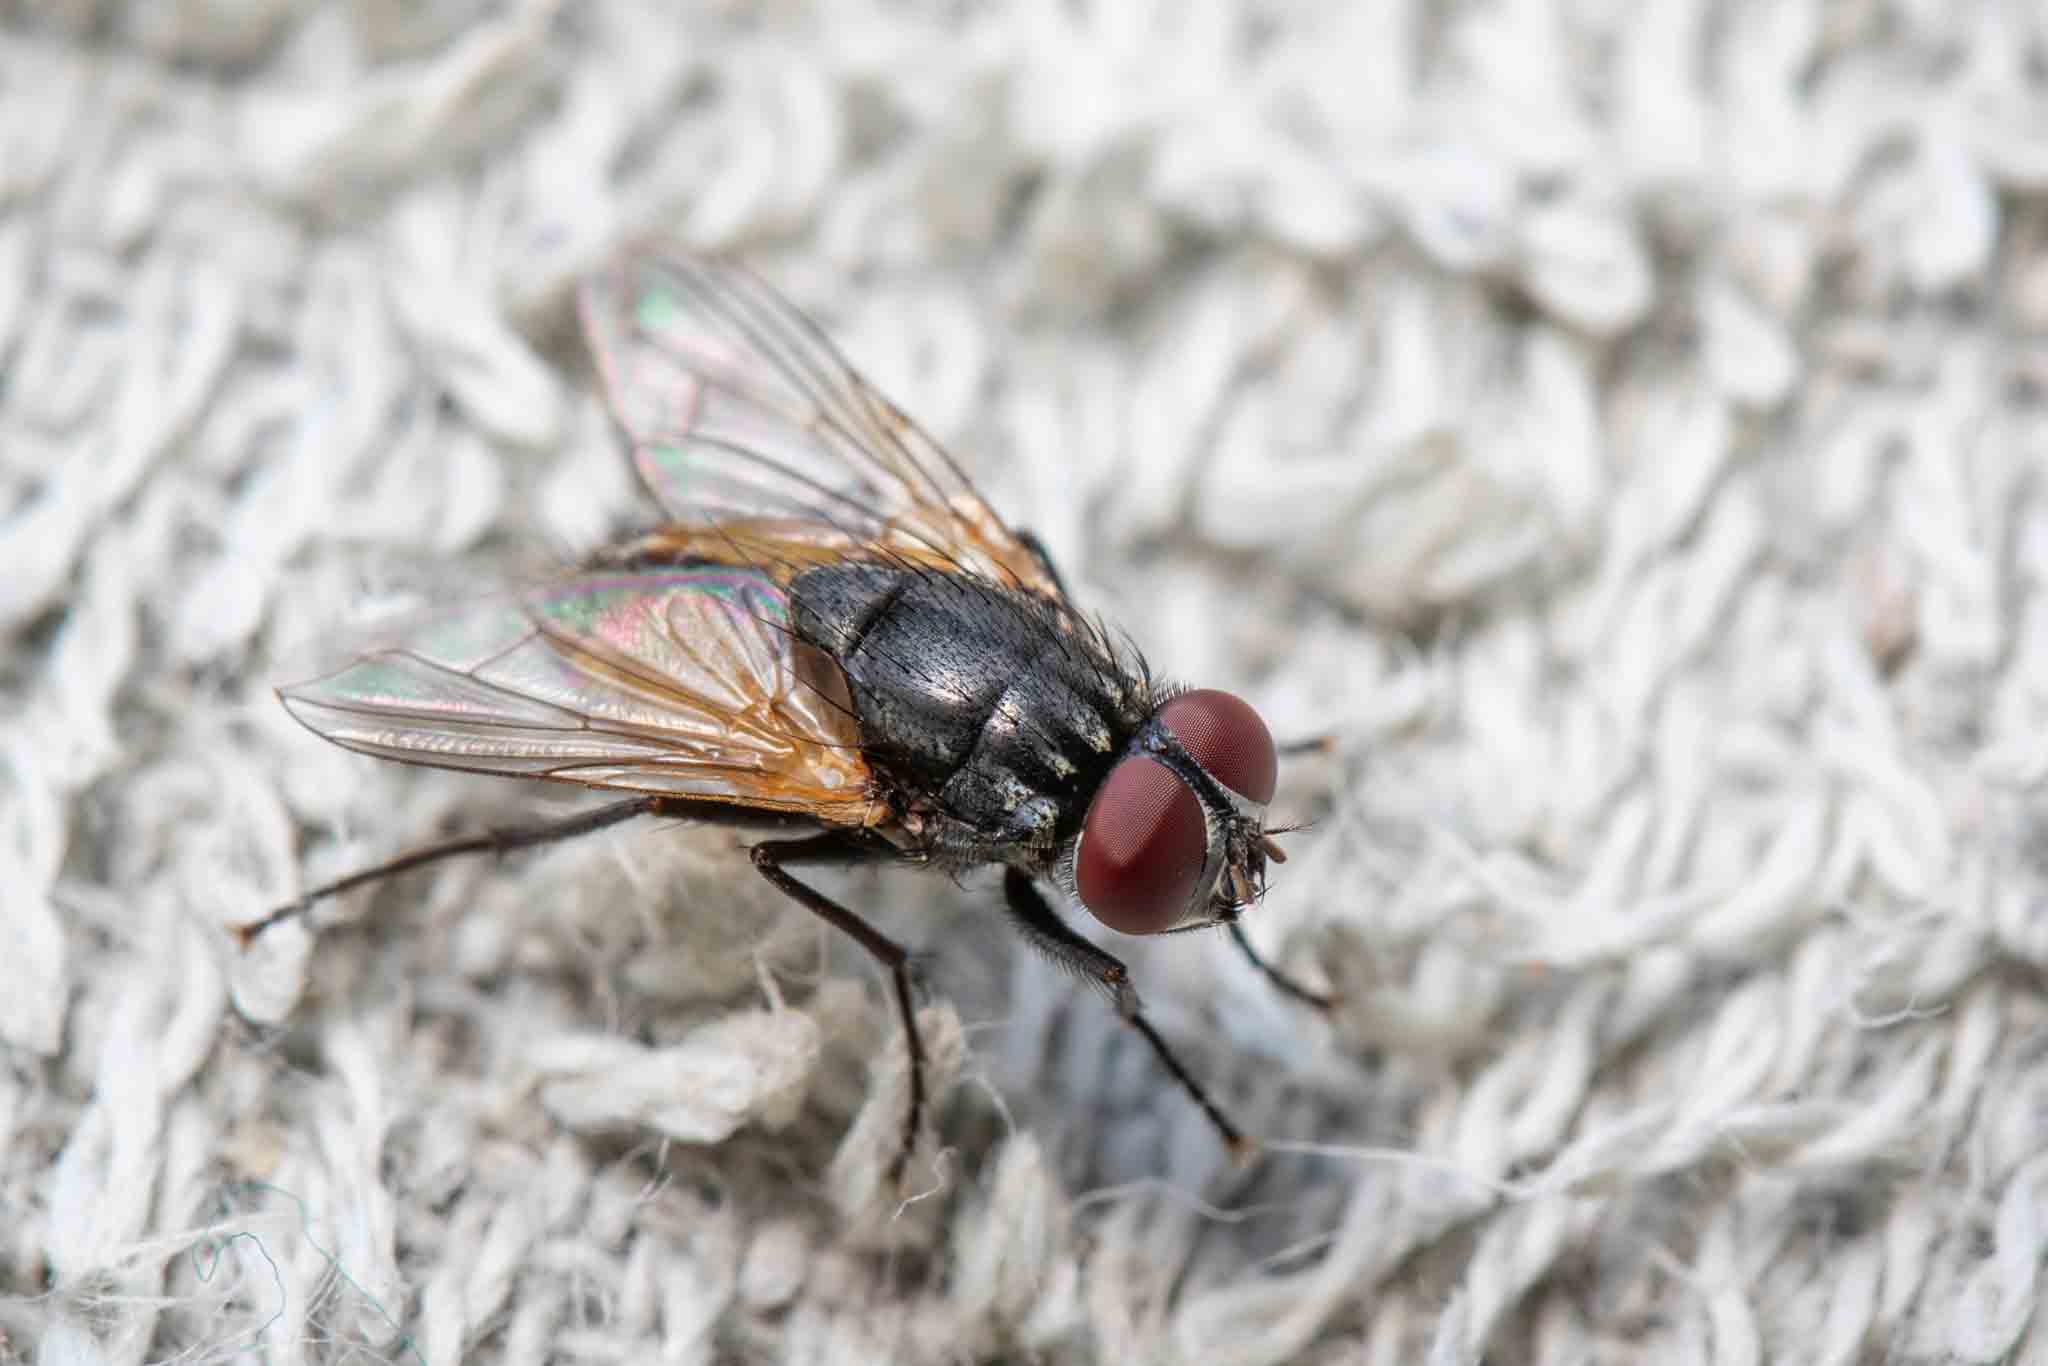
[[834, 607], [995, 705]]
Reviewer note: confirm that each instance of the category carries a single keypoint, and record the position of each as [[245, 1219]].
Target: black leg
[[773, 859], [1050, 935], [1315, 744], [1287, 985], [509, 838], [1052, 571], [490, 841]]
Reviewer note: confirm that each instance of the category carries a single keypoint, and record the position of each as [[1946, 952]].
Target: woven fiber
[[1620, 426]]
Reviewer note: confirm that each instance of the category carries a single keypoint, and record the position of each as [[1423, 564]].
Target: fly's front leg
[[1050, 935], [773, 859]]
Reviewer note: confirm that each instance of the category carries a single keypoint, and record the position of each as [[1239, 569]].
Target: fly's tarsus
[[1240, 1147], [501, 841]]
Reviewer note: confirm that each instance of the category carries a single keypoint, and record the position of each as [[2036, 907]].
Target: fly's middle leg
[[773, 859], [1050, 935]]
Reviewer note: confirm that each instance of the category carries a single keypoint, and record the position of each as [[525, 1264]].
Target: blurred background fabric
[[1620, 426]]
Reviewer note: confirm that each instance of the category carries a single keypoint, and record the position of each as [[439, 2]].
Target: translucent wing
[[683, 682], [746, 421]]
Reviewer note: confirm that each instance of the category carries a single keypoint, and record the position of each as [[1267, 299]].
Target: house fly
[[831, 639]]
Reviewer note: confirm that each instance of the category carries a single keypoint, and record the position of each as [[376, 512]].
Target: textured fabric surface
[[1619, 425]]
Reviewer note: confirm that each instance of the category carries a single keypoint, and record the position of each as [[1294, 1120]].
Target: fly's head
[[1175, 837]]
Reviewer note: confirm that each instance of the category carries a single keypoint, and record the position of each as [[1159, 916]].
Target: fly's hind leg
[[500, 841], [1050, 935], [774, 858], [506, 839]]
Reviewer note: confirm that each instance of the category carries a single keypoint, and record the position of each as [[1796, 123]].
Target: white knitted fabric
[[1620, 425]]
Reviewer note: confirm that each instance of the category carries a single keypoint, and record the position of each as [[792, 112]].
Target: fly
[[833, 640]]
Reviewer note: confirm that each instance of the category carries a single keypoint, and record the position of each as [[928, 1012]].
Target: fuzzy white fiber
[[1620, 425]]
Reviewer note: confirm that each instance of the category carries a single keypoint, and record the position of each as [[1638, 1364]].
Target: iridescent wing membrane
[[764, 445], [771, 455], [674, 682]]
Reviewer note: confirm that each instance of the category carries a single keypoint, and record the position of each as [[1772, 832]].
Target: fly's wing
[[678, 682], [764, 445]]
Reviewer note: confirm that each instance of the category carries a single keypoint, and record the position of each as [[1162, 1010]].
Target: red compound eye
[[1142, 848], [1226, 737]]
